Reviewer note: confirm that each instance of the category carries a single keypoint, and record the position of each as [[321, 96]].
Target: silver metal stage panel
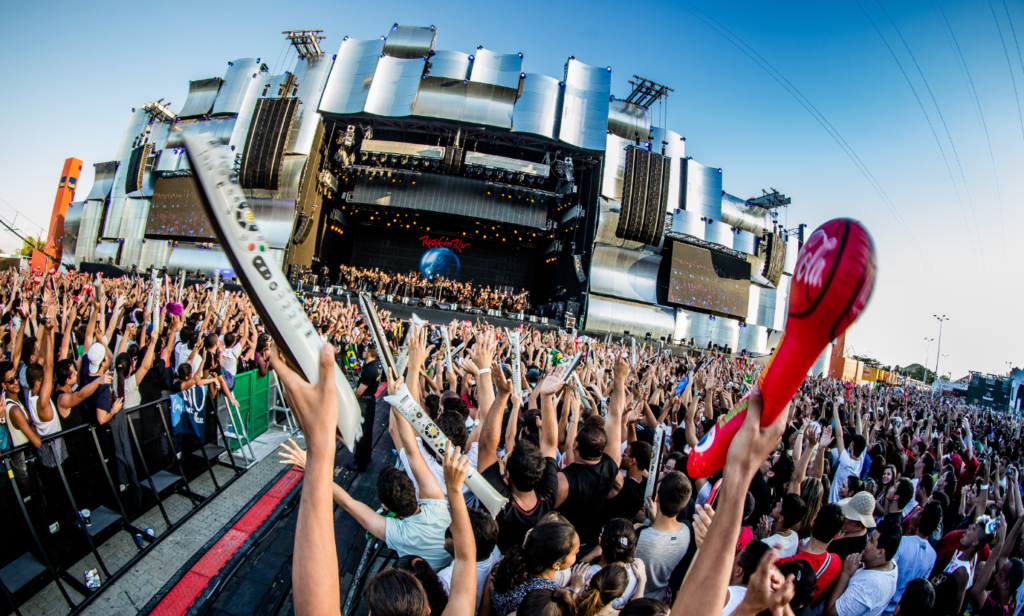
[[451, 99], [585, 108], [201, 94], [103, 180], [768, 306], [607, 314], [509, 164], [88, 230], [629, 121], [108, 252], [752, 339], [625, 274], [434, 152], [451, 195], [719, 233], [72, 223], [614, 166], [274, 210], [169, 159], [312, 72], [497, 69], [737, 213], [194, 258], [792, 252], [240, 77], [155, 253], [447, 64], [410, 41], [703, 190], [705, 328], [743, 241], [539, 110], [607, 223], [137, 122], [394, 86], [675, 148], [351, 76], [217, 128], [687, 222]]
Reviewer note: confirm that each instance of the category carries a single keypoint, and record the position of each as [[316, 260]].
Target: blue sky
[[77, 69]]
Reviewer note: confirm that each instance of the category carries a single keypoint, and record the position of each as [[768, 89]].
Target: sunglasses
[[11, 380]]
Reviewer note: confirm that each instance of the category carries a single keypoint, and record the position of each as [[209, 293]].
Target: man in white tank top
[[40, 382]]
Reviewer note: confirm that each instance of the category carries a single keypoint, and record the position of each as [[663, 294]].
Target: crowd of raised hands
[[855, 501]]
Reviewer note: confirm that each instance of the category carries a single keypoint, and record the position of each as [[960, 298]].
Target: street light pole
[[939, 351], [927, 354]]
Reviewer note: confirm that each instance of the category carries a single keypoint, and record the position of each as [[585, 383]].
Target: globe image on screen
[[439, 262]]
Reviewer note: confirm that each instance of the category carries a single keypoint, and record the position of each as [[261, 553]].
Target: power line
[[1009, 66], [930, 125], [811, 109], [949, 136], [981, 114]]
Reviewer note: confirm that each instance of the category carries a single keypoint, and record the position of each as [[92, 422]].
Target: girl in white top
[[618, 546], [128, 383]]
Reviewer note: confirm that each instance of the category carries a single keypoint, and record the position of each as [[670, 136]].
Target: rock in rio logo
[[812, 264], [440, 242]]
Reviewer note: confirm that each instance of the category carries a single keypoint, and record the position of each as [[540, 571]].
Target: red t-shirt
[[966, 478], [817, 561], [995, 608]]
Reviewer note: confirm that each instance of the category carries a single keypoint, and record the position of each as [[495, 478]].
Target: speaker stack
[[645, 186]]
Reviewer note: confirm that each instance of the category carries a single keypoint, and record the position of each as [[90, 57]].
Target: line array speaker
[[137, 167], [263, 155], [645, 187], [302, 227], [775, 260], [452, 158]]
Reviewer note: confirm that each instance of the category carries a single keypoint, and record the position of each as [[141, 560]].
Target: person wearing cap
[[858, 510], [99, 404], [868, 580]]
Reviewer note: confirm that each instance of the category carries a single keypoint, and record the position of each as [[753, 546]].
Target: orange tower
[[55, 235]]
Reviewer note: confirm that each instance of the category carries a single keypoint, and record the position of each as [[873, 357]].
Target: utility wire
[[930, 125], [811, 109], [1009, 66], [949, 136], [981, 114]]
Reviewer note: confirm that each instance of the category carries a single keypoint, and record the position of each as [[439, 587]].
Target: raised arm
[[613, 422], [489, 431], [462, 595]]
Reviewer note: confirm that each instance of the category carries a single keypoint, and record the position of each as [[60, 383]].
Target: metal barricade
[[71, 510]]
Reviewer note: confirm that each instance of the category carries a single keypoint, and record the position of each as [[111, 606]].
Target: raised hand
[[292, 454]]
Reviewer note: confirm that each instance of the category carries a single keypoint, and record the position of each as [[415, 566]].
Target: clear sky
[[76, 69]]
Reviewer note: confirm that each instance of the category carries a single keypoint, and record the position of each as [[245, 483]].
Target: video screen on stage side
[[710, 281], [176, 211]]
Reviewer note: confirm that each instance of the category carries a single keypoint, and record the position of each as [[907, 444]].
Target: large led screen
[[176, 211], [709, 281]]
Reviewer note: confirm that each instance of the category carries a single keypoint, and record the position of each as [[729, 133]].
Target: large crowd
[[856, 501]]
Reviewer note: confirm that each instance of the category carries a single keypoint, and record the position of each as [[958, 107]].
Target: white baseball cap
[[96, 354]]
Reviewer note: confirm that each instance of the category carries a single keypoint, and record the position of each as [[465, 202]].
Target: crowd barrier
[[118, 475]]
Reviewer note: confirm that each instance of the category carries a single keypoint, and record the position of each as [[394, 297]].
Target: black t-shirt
[[370, 376], [588, 490], [513, 520], [850, 545], [74, 417], [153, 383], [627, 502], [763, 500], [100, 398]]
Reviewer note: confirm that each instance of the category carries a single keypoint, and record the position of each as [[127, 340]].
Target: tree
[[29, 243]]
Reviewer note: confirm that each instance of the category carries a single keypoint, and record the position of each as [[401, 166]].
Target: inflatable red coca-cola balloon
[[832, 283]]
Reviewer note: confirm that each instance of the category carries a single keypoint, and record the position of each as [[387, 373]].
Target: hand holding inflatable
[[832, 283]]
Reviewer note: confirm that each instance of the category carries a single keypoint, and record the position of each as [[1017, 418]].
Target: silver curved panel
[[775, 339], [607, 314], [72, 224], [674, 146], [689, 223], [792, 252], [497, 69], [607, 222], [394, 86], [154, 253], [489, 104], [88, 230], [108, 251], [585, 107], [628, 121], [447, 64], [193, 258], [312, 72], [614, 166], [133, 220], [239, 78], [702, 189], [201, 94], [743, 241], [719, 233], [738, 213], [821, 365], [752, 339], [625, 274], [217, 128], [169, 159], [704, 328], [103, 180], [539, 109], [781, 303], [441, 98], [274, 210], [410, 41], [137, 122], [351, 76]]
